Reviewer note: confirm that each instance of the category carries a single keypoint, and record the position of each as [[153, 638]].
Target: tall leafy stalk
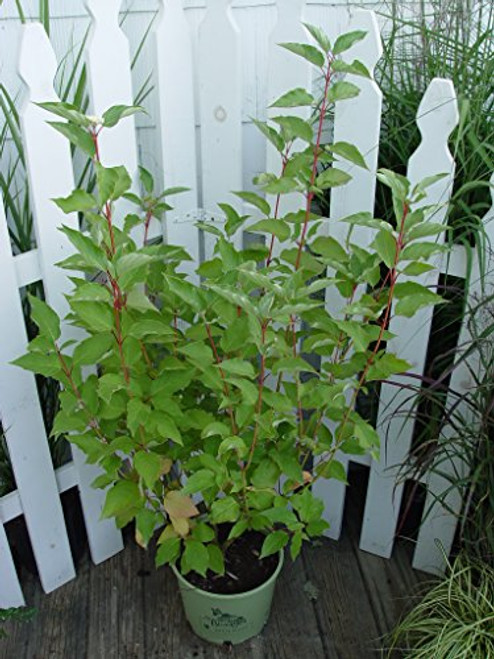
[[71, 86]]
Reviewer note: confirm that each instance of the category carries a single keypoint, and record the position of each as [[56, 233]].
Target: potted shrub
[[208, 423]]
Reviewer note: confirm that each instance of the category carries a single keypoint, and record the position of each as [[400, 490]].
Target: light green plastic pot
[[227, 618]]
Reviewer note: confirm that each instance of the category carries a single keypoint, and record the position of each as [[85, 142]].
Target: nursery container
[[228, 618]]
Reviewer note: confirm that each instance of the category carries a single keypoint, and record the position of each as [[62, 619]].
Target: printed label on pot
[[220, 621]]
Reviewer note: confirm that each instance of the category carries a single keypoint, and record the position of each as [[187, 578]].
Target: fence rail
[[207, 88]]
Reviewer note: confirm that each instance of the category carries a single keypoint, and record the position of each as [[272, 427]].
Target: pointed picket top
[[177, 123], [370, 49], [437, 117], [108, 63], [286, 71], [105, 12], [37, 63], [220, 102], [438, 113]]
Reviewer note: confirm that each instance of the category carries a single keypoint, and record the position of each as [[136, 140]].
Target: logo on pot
[[220, 621]]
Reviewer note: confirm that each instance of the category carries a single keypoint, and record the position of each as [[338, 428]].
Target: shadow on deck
[[334, 602]]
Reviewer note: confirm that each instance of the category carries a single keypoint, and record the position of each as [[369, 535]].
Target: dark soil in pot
[[244, 570]]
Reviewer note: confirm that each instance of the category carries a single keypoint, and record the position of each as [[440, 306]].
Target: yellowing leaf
[[179, 506]]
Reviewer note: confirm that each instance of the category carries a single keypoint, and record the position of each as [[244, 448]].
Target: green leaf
[[113, 182], [296, 545], [412, 297], [216, 560], [255, 200], [309, 53], [271, 135], [76, 136], [294, 127], [195, 557], [417, 268], [366, 435], [329, 248], [92, 254], [236, 444], [348, 152], [385, 245], [233, 220], [319, 36], [356, 68], [423, 250], [123, 497], [332, 469], [203, 532], [283, 185], [109, 384], [425, 229], [168, 430], [292, 365], [92, 349], [168, 551], [137, 414], [199, 481], [118, 112], [386, 365], [331, 178], [95, 316], [266, 474], [295, 98], [185, 291], [146, 179], [346, 41], [342, 90], [45, 318], [278, 228], [273, 543], [66, 111], [238, 367], [148, 466], [138, 300], [77, 201], [146, 521], [225, 510]]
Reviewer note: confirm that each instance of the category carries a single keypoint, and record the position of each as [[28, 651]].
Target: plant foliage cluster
[[199, 407]]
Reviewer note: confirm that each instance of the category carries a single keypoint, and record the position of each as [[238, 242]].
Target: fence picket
[[443, 503], [437, 117], [178, 125], [11, 591], [220, 103], [286, 71], [357, 121], [37, 68], [25, 435], [110, 83]]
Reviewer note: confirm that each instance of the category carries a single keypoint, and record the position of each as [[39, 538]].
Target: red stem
[[310, 195], [226, 389], [262, 376]]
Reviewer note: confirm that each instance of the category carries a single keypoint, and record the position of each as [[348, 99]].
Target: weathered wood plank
[[125, 608]]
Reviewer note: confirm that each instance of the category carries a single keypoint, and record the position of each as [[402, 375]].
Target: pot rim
[[186, 585]]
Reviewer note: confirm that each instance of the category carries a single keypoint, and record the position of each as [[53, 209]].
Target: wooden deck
[[334, 602]]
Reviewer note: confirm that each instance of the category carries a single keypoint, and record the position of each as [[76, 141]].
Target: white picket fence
[[209, 145]]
